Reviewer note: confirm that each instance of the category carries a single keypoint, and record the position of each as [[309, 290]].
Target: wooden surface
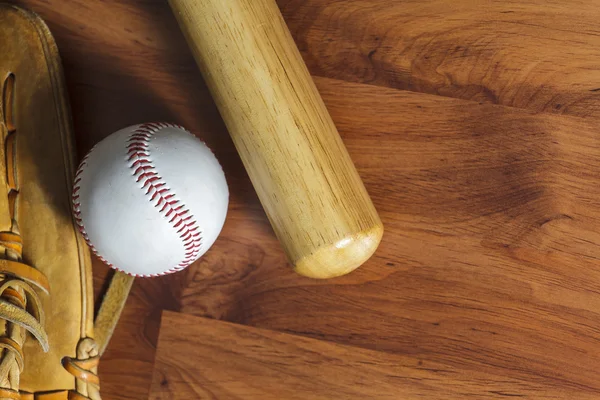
[[307, 184], [490, 261], [199, 358], [535, 54]]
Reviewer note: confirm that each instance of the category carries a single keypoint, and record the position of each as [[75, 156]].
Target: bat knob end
[[341, 257]]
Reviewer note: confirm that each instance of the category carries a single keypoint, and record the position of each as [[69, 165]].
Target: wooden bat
[[304, 177]]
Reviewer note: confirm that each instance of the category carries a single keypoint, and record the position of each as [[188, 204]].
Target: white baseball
[[150, 199]]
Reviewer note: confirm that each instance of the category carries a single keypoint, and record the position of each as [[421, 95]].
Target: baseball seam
[[157, 192]]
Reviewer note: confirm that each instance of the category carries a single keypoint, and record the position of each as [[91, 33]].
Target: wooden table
[[475, 128]]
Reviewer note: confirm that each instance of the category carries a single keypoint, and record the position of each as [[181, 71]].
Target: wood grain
[[307, 184], [490, 259], [533, 54], [200, 358]]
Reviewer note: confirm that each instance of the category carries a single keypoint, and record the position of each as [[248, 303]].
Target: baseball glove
[[47, 345]]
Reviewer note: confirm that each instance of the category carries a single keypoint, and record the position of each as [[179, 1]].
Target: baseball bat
[[296, 160]]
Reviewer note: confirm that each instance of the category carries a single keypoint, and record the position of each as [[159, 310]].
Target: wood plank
[[534, 54], [200, 358], [490, 258]]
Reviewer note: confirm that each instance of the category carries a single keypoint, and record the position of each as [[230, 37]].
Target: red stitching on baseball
[[139, 154], [138, 143]]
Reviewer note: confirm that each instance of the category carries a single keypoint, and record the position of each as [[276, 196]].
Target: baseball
[[150, 199]]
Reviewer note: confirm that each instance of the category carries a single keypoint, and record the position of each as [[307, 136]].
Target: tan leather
[[9, 394], [47, 345], [25, 272], [61, 395], [81, 369], [112, 306], [40, 250]]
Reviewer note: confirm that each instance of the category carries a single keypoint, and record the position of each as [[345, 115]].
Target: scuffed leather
[[45, 167]]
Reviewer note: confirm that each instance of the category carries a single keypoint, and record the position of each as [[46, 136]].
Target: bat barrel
[[298, 164]]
